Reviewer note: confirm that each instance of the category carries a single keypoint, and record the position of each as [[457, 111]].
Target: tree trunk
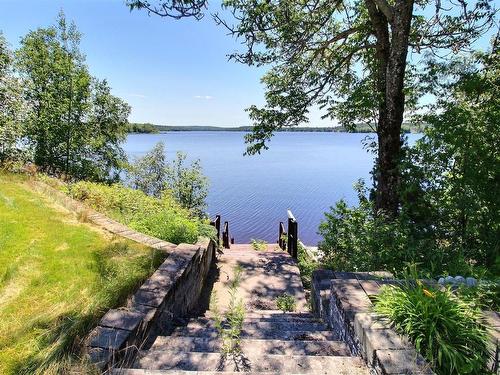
[[391, 56]]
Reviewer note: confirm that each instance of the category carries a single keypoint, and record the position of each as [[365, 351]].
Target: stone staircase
[[272, 342]]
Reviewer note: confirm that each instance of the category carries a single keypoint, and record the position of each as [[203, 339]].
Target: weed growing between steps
[[230, 323], [259, 245], [286, 303]]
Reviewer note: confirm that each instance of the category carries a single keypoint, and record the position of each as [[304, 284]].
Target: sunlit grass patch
[[58, 276]]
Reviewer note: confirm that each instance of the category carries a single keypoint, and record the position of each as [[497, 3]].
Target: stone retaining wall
[[341, 299], [169, 294]]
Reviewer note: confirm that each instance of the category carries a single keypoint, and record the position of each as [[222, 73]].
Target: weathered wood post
[[281, 240], [216, 224], [292, 243], [225, 236]]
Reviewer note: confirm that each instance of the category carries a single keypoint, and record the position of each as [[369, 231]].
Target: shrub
[[155, 176], [160, 217], [445, 329], [354, 239]]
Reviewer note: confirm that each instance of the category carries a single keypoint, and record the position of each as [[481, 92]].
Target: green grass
[[57, 278]]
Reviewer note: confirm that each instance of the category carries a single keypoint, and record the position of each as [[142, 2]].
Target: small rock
[[470, 281], [459, 279], [449, 280], [441, 281]]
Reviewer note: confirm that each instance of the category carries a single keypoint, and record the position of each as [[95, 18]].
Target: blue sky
[[170, 72]]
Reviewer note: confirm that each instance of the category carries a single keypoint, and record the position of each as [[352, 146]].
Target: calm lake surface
[[304, 172]]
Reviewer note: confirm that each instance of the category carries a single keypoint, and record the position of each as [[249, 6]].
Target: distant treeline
[[360, 128]]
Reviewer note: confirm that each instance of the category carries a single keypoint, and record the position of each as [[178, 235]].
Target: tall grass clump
[[160, 217], [444, 328]]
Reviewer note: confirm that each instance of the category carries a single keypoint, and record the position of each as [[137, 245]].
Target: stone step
[[201, 344], [272, 318], [277, 314], [134, 371], [296, 364], [258, 334], [280, 325]]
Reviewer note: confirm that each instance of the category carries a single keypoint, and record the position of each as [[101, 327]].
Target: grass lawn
[[58, 276]]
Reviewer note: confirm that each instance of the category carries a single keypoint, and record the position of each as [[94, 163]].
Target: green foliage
[[354, 238], [12, 108], [258, 245], [449, 216], [450, 177], [286, 302], [230, 324], [153, 175], [146, 128], [149, 173], [188, 185], [445, 329], [159, 217], [73, 126], [306, 266]]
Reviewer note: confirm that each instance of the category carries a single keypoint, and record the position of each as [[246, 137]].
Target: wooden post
[[292, 237], [225, 236], [216, 224], [281, 241]]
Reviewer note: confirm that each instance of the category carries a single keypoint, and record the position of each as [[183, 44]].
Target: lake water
[[304, 172]]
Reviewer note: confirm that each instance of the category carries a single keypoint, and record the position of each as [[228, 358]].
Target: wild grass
[[58, 276], [259, 245], [160, 217], [445, 329], [230, 323]]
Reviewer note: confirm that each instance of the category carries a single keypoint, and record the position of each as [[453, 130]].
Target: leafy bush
[[160, 217], [286, 302], [354, 238], [445, 329]]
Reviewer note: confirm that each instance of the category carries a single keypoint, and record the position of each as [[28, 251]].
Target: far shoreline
[[136, 128]]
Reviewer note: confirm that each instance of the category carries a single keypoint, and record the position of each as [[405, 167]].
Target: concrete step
[[280, 325], [201, 344], [296, 364], [258, 334]]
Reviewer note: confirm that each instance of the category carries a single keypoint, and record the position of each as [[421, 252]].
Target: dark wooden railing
[[225, 236], [216, 224], [290, 244]]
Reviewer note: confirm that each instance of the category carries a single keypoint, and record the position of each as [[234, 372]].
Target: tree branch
[[385, 8]]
